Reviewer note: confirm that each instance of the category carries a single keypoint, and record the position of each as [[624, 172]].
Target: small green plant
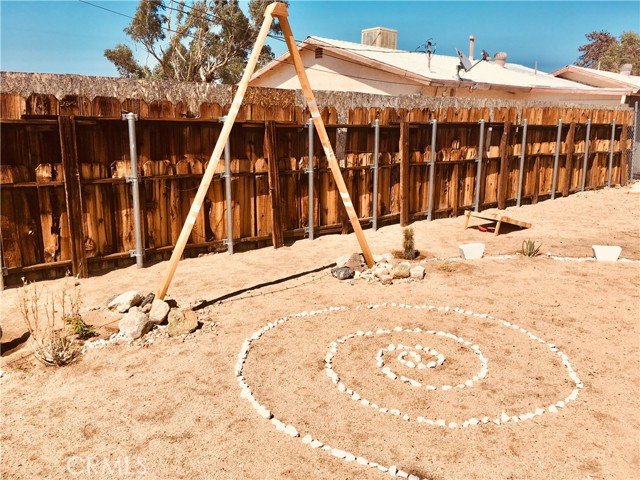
[[529, 248], [79, 328], [408, 244], [71, 304]]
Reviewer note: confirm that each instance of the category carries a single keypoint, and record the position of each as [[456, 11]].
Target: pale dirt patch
[[174, 404]]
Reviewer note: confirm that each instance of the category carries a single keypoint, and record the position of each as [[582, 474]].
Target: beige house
[[376, 66], [603, 79]]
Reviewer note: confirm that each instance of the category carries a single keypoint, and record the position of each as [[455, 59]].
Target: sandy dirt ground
[[170, 408]]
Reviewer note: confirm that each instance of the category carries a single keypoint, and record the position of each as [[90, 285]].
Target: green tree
[[627, 50], [199, 41], [592, 52]]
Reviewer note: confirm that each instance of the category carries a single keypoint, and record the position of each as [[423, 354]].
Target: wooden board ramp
[[499, 218], [273, 11]]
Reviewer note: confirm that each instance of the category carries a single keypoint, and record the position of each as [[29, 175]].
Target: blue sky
[[59, 36]]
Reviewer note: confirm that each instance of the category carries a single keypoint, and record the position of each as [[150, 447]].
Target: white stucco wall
[[335, 74]]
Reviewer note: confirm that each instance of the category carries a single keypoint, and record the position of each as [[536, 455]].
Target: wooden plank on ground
[[495, 217]]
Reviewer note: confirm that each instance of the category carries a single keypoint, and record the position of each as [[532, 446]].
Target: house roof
[[442, 72], [591, 76]]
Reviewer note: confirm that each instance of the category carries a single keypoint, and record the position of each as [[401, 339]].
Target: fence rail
[[67, 206]]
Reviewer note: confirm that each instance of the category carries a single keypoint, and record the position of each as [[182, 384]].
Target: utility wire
[[282, 40]]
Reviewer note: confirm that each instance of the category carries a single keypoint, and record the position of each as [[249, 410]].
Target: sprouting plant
[[408, 244], [71, 304], [529, 248], [51, 344], [446, 267]]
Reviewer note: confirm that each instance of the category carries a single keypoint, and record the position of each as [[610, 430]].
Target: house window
[[319, 52]]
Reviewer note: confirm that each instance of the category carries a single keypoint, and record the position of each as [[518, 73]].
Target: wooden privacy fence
[[67, 206]]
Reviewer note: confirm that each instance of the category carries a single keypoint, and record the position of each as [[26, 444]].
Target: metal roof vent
[[500, 58], [626, 69]]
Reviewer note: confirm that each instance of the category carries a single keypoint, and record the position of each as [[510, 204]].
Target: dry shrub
[[51, 343]]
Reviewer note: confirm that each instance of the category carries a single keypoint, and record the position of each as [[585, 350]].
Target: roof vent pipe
[[626, 69], [500, 58], [472, 40]]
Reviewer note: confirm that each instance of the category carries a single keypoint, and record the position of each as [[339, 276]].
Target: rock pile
[[386, 269], [141, 314]]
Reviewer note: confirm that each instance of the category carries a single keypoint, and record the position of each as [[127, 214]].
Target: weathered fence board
[[65, 163]]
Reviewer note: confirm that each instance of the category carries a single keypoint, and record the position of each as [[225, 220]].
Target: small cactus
[[408, 244]]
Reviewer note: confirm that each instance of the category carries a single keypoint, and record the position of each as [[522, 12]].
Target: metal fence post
[[309, 172], [586, 156], [613, 139], [479, 167], [522, 155], [376, 153], [432, 168], [554, 182], [227, 190], [135, 190]]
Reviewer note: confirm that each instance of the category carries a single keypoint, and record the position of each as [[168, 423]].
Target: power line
[[356, 77]]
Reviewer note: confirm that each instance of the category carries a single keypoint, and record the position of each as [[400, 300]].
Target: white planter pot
[[471, 251], [606, 253]]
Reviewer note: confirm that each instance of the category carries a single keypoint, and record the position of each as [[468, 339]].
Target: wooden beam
[[536, 180], [503, 176], [218, 149], [270, 150], [404, 173], [624, 161], [73, 195], [568, 162], [322, 132]]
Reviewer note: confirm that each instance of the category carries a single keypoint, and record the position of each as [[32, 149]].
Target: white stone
[[362, 461], [315, 444], [307, 439], [135, 323], [471, 251], [336, 452], [606, 253], [159, 311], [393, 470], [473, 421], [417, 272], [440, 422], [349, 457], [123, 302], [291, 431], [552, 409], [504, 417]]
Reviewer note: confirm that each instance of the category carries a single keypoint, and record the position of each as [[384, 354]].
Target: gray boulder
[[353, 260], [135, 323], [343, 273], [182, 322], [123, 302], [159, 311]]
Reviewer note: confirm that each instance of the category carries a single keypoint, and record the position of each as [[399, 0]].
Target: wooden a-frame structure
[[279, 11]]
